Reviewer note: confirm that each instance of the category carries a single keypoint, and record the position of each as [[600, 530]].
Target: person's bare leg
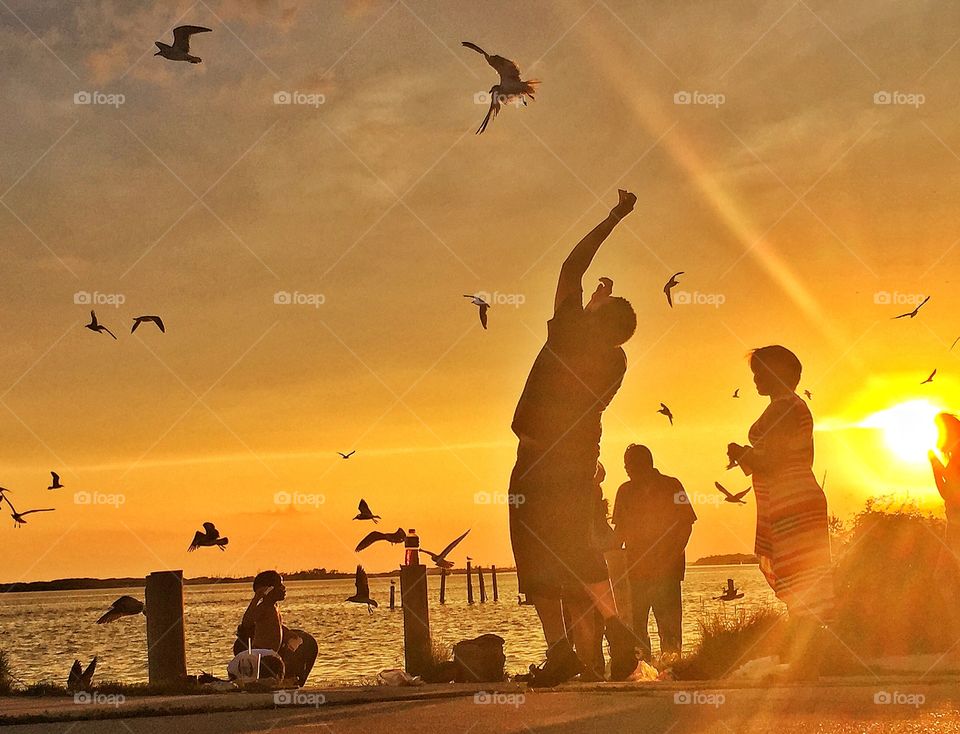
[[623, 642], [586, 635], [601, 593], [551, 619]]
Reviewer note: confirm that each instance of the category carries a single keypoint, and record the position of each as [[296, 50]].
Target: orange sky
[[802, 211]]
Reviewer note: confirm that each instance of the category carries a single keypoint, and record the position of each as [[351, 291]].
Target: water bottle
[[412, 545]]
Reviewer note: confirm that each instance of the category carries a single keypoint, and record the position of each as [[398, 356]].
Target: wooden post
[[443, 585], [469, 585], [493, 581], [393, 594], [416, 619], [166, 641], [483, 591]]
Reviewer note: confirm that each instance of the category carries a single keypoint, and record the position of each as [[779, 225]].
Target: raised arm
[[577, 262]]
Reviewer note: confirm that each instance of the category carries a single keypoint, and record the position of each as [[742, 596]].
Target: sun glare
[[909, 429]]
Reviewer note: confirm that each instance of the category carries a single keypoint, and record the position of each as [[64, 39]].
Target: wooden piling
[[493, 582], [469, 585], [483, 591], [166, 640], [443, 585], [416, 619], [393, 594]]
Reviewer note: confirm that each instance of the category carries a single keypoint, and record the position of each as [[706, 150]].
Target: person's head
[[948, 426], [270, 578], [613, 319], [776, 370], [637, 460]]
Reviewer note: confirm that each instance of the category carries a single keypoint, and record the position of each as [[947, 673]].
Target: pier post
[[483, 591], [166, 640], [416, 619], [393, 594], [443, 585], [469, 585], [493, 582]]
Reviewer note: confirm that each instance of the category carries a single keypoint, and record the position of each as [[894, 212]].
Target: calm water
[[43, 632]]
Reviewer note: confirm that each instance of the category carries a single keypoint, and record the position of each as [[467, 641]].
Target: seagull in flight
[[441, 558], [808, 394], [346, 456], [735, 499], [664, 410], [364, 512], [142, 319], [19, 517], [954, 344], [671, 284], [930, 378], [483, 306], [372, 537], [736, 393], [95, 325], [511, 86], [912, 314], [125, 606], [180, 50], [362, 595], [208, 538], [55, 484]]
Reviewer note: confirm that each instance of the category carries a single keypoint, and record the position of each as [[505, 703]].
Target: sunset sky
[[803, 209]]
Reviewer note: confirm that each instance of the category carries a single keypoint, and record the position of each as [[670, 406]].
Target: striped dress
[[793, 540]]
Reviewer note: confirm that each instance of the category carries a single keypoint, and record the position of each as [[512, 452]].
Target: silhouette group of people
[[559, 530]]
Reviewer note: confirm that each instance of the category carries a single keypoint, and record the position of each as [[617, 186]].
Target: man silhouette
[[558, 424]]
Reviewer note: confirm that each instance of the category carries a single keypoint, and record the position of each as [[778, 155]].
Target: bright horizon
[[804, 209]]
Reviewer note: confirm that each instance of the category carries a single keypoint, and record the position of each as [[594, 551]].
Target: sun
[[909, 429]]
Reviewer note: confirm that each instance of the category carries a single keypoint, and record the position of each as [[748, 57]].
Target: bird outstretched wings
[[181, 35], [375, 536]]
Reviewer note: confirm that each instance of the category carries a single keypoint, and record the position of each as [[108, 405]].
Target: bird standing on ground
[[671, 284], [180, 50], [137, 320], [125, 606], [729, 593], [372, 537], [55, 484], [912, 314], [483, 306], [95, 325], [511, 86], [364, 512], [664, 410], [80, 679], [736, 499], [362, 595], [207, 539], [930, 378], [441, 558]]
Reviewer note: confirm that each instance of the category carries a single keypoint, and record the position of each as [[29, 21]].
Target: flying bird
[[736, 499], [372, 537], [808, 394], [511, 86], [912, 314], [736, 393], [362, 596], [207, 539], [930, 378], [346, 456], [137, 320], [441, 558], [671, 284], [664, 410], [483, 306], [55, 484], [125, 606], [364, 512], [19, 517], [180, 50], [95, 325], [80, 679], [729, 593], [954, 343]]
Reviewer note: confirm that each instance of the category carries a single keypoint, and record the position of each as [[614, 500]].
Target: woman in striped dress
[[793, 540]]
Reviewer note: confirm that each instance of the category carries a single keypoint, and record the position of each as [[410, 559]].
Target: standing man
[[558, 424], [654, 519]]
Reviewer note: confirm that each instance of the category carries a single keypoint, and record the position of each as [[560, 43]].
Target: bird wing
[[666, 292], [350, 454], [198, 539], [370, 538], [364, 508], [483, 315], [398, 537], [741, 495], [87, 678], [159, 322], [363, 586], [491, 112], [108, 331], [507, 69], [76, 670], [56, 477], [93, 317], [454, 544], [723, 489], [136, 322], [181, 36], [212, 531], [30, 512], [473, 46], [921, 304], [110, 615]]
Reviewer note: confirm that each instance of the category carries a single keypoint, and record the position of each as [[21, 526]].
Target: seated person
[[262, 628], [270, 668]]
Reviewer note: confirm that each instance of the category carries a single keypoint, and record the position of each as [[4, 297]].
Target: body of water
[[42, 632]]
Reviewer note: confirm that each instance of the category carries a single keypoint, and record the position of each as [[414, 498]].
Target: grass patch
[[729, 639], [6, 675]]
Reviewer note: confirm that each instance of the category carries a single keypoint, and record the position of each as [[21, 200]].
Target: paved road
[[785, 710]]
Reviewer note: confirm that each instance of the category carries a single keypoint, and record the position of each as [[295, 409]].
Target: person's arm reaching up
[[577, 262]]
